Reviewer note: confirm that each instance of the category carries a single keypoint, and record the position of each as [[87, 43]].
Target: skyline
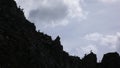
[[83, 25]]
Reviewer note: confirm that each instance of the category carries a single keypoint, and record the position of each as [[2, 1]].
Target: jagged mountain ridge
[[21, 46]]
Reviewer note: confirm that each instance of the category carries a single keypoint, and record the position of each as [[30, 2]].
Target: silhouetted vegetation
[[21, 46]]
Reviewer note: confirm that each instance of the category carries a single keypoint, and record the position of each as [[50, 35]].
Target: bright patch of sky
[[83, 25]]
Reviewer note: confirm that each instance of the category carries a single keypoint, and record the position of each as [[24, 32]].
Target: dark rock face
[[111, 60], [90, 61], [21, 46]]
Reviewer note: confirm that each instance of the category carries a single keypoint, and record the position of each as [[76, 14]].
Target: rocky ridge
[[21, 46]]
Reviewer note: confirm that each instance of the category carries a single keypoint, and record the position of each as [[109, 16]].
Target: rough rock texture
[[21, 46]]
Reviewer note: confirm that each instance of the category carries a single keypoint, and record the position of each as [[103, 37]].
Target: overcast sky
[[83, 25]]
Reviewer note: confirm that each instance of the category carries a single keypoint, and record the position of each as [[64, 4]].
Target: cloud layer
[[111, 41]]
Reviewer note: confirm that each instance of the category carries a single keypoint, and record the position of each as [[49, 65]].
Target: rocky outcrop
[[21, 46], [89, 61], [111, 60]]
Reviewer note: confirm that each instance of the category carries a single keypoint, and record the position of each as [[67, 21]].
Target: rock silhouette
[[111, 60], [21, 46], [90, 61]]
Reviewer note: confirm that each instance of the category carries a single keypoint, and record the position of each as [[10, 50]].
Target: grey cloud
[[48, 14], [54, 12]]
